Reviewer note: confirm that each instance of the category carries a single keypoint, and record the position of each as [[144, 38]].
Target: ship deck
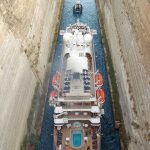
[[87, 138]]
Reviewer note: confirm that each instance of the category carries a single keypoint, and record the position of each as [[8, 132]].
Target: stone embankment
[[126, 24], [27, 30]]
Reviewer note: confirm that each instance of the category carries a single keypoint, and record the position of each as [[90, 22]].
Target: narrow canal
[[110, 136]]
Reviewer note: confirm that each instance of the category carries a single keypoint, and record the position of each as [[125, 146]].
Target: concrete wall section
[[50, 26], [17, 83], [37, 44], [132, 75], [27, 30]]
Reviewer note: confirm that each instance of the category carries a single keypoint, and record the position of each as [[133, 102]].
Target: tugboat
[[77, 94], [77, 8]]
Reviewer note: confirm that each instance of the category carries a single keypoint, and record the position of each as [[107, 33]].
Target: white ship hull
[[77, 95]]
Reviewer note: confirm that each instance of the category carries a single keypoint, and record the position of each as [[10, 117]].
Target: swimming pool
[[76, 139]]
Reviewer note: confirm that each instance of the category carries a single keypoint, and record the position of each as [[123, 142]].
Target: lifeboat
[[53, 95], [100, 95], [98, 79], [56, 80]]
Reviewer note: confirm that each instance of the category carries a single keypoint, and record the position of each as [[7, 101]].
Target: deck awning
[[77, 64]]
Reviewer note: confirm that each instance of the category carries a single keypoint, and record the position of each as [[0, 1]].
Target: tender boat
[[77, 8]]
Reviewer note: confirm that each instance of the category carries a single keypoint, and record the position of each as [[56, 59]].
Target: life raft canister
[[100, 96], [98, 79]]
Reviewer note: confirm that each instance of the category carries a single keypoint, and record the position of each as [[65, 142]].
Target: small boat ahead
[[77, 8]]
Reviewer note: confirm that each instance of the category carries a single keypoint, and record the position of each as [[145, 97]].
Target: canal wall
[[27, 32], [126, 24]]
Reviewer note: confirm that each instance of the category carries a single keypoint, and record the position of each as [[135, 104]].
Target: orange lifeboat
[[100, 95], [53, 95], [98, 79], [56, 80]]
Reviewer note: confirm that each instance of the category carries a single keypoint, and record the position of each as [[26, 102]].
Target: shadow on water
[[110, 136]]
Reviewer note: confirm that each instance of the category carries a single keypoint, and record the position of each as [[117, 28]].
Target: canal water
[[110, 136]]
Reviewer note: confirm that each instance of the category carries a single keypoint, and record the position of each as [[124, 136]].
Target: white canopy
[[77, 64]]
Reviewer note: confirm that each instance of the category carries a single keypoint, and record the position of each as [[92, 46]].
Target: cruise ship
[[77, 94]]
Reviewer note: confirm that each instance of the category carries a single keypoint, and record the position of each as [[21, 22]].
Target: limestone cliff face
[[128, 34], [26, 33]]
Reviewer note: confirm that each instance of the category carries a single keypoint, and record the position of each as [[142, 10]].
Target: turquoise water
[[110, 136], [76, 139]]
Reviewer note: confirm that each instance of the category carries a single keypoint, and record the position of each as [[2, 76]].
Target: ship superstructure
[[78, 95]]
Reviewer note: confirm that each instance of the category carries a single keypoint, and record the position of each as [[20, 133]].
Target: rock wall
[[126, 24], [27, 30]]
